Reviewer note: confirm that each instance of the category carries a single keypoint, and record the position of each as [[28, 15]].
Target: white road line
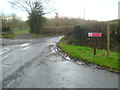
[[5, 56]]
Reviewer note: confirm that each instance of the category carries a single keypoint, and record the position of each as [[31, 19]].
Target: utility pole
[[95, 46], [108, 39], [119, 10], [56, 17]]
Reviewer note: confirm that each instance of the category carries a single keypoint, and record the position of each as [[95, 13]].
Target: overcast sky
[[101, 10]]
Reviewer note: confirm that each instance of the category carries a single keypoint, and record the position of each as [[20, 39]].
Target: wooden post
[[108, 39], [95, 46]]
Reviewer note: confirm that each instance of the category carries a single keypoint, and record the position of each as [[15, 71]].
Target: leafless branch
[[28, 5]]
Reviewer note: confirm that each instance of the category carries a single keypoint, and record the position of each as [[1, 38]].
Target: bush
[[79, 35], [7, 30]]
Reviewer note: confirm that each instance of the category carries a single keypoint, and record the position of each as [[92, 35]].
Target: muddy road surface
[[36, 64]]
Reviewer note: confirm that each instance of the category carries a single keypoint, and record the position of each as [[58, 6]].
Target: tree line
[[64, 25]]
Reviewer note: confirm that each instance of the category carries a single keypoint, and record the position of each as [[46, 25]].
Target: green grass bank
[[86, 53]]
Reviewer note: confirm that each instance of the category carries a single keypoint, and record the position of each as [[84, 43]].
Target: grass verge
[[21, 31], [86, 53], [37, 35], [7, 36]]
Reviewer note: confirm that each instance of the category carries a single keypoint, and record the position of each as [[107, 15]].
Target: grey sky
[[101, 10]]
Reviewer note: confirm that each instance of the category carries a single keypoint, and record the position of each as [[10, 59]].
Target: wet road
[[38, 65]]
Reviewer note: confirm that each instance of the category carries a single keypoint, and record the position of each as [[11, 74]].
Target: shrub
[[79, 35]]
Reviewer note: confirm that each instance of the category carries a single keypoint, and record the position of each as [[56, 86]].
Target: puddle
[[53, 49], [4, 50], [25, 44], [80, 63], [24, 48]]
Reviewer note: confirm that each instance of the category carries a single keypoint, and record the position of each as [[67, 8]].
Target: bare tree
[[29, 5], [36, 12]]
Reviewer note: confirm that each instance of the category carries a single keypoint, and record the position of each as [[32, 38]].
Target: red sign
[[94, 34]]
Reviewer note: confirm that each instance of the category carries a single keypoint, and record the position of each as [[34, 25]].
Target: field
[[22, 34]]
